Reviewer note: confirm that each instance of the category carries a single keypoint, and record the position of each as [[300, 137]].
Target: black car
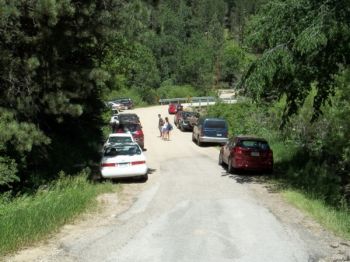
[[128, 118], [186, 120]]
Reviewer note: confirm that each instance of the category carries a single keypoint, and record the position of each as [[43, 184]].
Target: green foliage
[[304, 43], [234, 61], [29, 218], [309, 156], [51, 82], [168, 90], [334, 219]]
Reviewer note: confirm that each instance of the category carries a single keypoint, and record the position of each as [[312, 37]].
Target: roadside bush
[[309, 156], [29, 218], [132, 93], [168, 90]]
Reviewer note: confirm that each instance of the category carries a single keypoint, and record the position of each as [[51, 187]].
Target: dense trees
[[59, 59], [304, 43], [51, 79]]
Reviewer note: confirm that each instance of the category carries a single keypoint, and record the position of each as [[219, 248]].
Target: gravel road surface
[[189, 210]]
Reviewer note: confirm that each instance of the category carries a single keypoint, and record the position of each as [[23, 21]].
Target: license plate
[[123, 164], [255, 154], [218, 134]]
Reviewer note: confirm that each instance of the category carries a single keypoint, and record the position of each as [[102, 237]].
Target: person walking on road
[[160, 125], [167, 127]]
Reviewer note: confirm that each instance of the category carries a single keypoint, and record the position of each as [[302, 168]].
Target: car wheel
[[143, 178], [229, 166], [221, 162], [182, 128]]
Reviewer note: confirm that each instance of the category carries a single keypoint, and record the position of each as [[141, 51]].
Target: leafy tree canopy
[[303, 43]]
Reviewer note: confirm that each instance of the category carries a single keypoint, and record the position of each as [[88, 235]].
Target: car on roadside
[[174, 108], [124, 160], [114, 120], [247, 153], [128, 118], [116, 106], [118, 138], [185, 120], [133, 128], [210, 130], [126, 102]]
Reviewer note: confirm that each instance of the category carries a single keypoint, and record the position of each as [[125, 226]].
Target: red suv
[[172, 109], [247, 153]]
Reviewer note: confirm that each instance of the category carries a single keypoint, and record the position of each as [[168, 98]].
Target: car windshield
[[189, 114], [120, 139], [215, 124], [129, 150], [254, 144]]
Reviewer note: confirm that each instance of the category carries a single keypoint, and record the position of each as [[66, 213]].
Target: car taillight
[[138, 163], [138, 133], [108, 164], [238, 150]]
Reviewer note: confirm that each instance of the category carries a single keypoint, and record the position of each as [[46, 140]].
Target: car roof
[[250, 137], [128, 114], [213, 118]]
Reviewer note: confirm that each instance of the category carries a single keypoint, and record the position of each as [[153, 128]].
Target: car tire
[[143, 178], [221, 162], [182, 128], [230, 168], [193, 139]]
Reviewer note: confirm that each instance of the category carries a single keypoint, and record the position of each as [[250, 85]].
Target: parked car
[[128, 117], [135, 130], [124, 160], [115, 106], [118, 138], [174, 108], [210, 130], [114, 120], [179, 107], [247, 153], [127, 102], [185, 120]]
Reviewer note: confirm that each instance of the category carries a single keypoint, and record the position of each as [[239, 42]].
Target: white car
[[114, 120], [124, 160], [119, 138]]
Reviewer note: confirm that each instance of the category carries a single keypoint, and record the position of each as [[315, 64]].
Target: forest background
[[61, 59]]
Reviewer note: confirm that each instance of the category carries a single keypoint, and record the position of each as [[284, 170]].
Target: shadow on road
[[253, 177]]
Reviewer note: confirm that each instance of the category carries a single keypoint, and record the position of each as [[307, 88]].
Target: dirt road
[[189, 210]]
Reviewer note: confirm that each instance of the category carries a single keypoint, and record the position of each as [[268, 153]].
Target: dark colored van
[[210, 130]]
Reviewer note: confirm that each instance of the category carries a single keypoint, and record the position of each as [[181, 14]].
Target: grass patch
[[26, 219], [336, 220]]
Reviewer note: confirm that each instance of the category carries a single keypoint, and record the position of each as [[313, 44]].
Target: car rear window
[[133, 127], [254, 144], [215, 124], [122, 151], [120, 139]]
